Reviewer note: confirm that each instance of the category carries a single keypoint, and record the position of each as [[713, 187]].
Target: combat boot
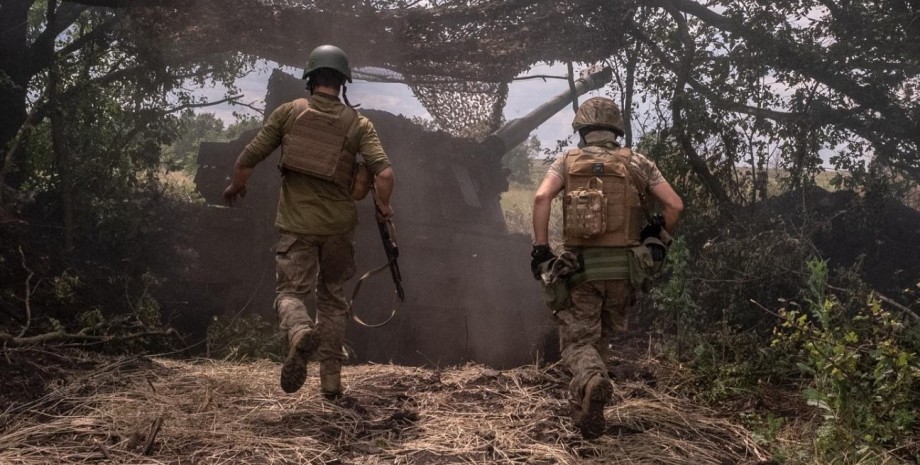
[[294, 371], [330, 379], [588, 415]]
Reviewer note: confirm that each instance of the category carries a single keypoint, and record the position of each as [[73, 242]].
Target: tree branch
[[27, 294], [42, 49], [683, 75], [791, 56]]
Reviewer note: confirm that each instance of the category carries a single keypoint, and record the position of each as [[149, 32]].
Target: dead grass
[[162, 411]]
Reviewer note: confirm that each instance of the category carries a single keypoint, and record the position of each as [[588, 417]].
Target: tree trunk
[[14, 80]]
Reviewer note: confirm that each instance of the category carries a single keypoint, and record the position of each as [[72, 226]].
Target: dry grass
[[517, 204], [162, 411]]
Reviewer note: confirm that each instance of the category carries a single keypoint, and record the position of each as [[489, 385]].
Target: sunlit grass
[[517, 205]]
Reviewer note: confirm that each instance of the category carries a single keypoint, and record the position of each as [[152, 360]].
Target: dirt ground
[[70, 407]]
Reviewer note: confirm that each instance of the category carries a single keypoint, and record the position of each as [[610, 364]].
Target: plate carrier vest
[[315, 144], [602, 206]]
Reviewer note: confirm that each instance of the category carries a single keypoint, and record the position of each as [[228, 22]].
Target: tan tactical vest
[[315, 144], [598, 181]]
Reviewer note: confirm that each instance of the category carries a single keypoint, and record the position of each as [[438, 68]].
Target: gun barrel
[[516, 131]]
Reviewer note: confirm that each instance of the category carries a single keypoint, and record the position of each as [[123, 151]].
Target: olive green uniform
[[316, 219]]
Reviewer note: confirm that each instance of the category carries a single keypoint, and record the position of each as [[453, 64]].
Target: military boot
[[330, 379], [294, 371], [588, 414]]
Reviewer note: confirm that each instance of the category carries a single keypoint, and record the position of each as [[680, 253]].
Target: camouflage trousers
[[599, 310], [322, 263]]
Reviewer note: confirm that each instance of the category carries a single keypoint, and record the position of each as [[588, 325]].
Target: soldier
[[319, 138], [607, 250]]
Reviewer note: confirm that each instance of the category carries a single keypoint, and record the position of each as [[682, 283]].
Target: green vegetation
[[785, 277]]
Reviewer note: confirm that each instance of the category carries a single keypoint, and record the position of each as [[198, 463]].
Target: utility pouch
[[284, 243], [585, 211], [642, 269], [556, 295]]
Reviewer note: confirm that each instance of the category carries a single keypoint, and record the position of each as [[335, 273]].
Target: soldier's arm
[[542, 204], [261, 146], [237, 185], [383, 184], [379, 164], [671, 204]]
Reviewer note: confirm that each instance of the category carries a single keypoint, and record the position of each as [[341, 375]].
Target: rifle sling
[[354, 294]]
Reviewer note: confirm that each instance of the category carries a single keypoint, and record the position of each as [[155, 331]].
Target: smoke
[[469, 293]]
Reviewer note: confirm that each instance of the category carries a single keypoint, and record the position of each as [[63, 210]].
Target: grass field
[[517, 204]]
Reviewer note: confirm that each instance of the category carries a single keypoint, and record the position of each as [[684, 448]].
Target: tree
[[60, 59], [519, 161], [86, 107], [749, 80], [193, 129]]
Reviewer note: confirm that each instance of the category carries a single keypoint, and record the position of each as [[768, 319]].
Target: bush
[[864, 374]]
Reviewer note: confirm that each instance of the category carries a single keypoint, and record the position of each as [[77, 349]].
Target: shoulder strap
[[350, 115], [300, 106], [567, 163]]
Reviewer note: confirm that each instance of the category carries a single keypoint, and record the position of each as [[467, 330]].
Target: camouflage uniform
[[316, 219], [599, 309]]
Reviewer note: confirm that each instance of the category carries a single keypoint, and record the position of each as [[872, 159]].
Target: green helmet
[[599, 112], [327, 56]]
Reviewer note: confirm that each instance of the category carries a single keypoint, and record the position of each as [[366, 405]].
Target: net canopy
[[456, 55]]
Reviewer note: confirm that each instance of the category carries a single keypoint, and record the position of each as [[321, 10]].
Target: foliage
[[864, 374], [519, 161], [194, 128], [718, 339], [244, 337], [98, 227], [792, 85]]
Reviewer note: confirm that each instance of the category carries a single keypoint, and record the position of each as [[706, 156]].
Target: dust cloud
[[469, 292]]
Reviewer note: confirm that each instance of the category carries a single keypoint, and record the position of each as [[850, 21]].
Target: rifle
[[387, 234], [392, 251]]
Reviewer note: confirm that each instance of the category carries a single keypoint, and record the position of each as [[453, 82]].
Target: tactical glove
[[540, 255], [652, 229]]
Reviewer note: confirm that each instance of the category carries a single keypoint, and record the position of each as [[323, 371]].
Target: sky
[[523, 96]]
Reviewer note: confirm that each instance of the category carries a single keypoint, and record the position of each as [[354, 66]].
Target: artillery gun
[[469, 293]]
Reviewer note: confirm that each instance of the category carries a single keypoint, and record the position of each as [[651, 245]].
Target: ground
[[75, 407]]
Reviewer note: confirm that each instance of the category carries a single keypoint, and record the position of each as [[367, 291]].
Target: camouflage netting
[[458, 56], [470, 109]]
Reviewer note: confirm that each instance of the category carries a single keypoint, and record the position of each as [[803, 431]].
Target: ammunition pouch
[[556, 295]]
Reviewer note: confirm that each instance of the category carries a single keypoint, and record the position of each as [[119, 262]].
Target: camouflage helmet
[[599, 112], [327, 56]]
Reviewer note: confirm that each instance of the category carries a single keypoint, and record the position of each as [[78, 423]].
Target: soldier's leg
[[296, 264], [337, 266], [618, 296], [580, 333]]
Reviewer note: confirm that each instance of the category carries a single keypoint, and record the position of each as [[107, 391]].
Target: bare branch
[[64, 337]]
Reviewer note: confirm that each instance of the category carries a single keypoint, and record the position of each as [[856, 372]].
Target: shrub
[[864, 374]]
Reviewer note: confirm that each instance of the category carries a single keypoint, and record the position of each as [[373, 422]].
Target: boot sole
[[294, 370]]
